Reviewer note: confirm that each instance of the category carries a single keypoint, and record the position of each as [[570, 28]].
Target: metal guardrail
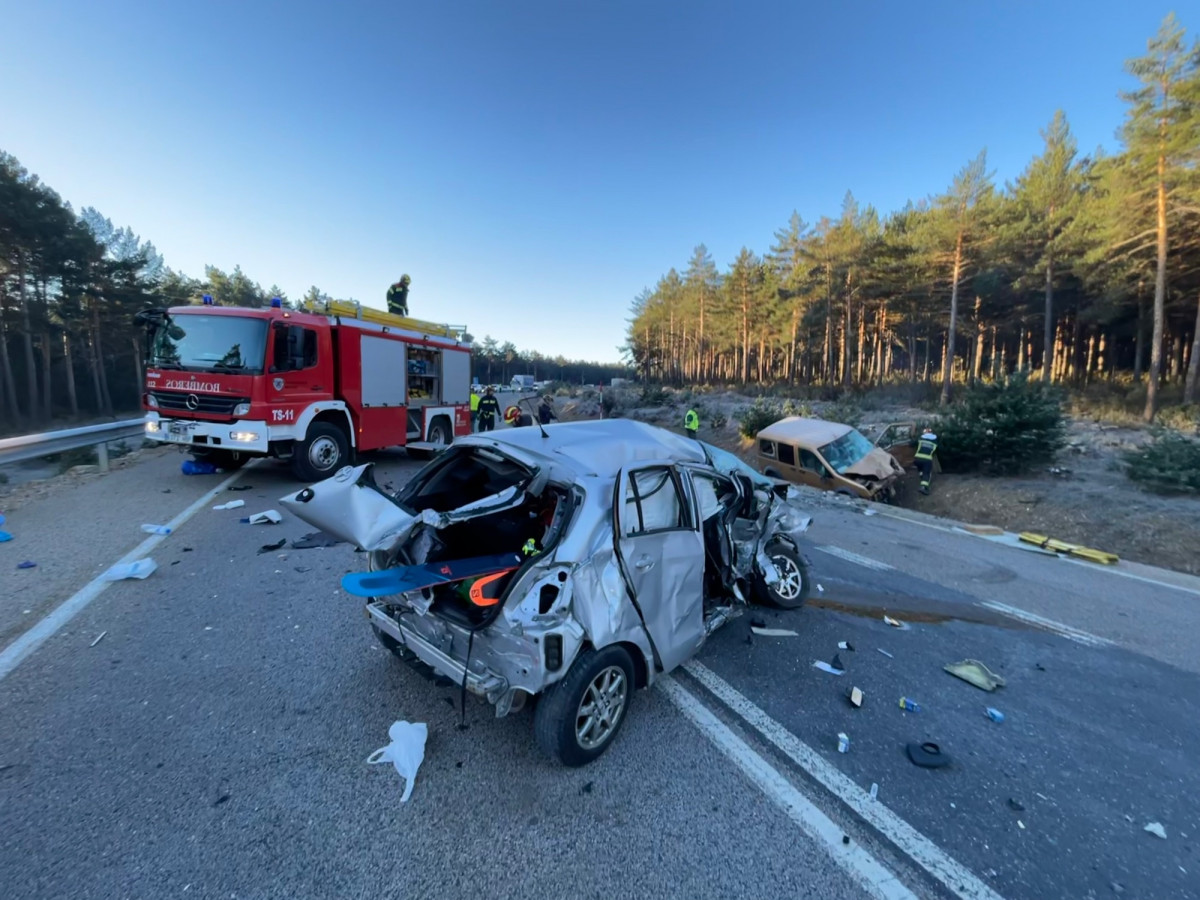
[[33, 446]]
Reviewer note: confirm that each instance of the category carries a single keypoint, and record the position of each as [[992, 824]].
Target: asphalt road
[[213, 742]]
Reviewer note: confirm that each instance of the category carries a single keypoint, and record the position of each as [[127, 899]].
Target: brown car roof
[[814, 432]]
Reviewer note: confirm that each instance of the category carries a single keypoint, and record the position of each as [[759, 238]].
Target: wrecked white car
[[571, 564]]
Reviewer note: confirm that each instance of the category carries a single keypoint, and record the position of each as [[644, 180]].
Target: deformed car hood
[[876, 464]]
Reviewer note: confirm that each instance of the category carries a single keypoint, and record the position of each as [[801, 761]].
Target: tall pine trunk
[[980, 331], [948, 361], [1049, 330], [1160, 294], [27, 337], [10, 384], [69, 369], [1139, 352], [47, 393], [140, 383], [1189, 385]]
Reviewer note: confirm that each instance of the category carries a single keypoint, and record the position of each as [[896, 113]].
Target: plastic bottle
[[197, 467], [910, 705], [156, 529]]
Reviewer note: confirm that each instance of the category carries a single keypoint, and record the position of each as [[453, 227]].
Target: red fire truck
[[314, 387]]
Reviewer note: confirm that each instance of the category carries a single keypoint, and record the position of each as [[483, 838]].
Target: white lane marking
[[1106, 570], [1074, 634], [958, 879], [870, 874], [1114, 570], [855, 558], [24, 646]]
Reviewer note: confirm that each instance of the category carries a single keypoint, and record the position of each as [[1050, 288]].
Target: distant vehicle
[[522, 383], [834, 457]]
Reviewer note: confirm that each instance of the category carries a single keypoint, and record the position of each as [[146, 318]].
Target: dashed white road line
[[868, 872], [1074, 634], [855, 558], [954, 876], [24, 646]]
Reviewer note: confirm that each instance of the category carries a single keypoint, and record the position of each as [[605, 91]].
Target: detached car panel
[[636, 544]]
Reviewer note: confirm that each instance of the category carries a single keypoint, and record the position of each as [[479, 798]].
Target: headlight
[[242, 409], [152, 401], [243, 436], [153, 427]]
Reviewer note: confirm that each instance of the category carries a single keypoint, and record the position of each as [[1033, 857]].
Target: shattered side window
[[652, 502], [728, 464]]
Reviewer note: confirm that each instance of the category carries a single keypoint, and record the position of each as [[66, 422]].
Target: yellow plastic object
[[348, 310], [1076, 550]]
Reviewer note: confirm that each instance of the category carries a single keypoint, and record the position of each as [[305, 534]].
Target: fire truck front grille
[[178, 401]]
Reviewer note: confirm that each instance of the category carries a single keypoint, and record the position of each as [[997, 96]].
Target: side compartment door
[[661, 553]]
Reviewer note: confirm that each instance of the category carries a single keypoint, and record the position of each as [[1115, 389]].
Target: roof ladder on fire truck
[[352, 309]]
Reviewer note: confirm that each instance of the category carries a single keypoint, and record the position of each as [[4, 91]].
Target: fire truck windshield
[[211, 343]]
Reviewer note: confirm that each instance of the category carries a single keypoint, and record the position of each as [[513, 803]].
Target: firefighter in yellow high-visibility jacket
[[926, 448], [474, 410], [691, 423]]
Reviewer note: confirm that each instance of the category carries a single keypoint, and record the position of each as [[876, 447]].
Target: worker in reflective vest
[[474, 410], [926, 447], [691, 423]]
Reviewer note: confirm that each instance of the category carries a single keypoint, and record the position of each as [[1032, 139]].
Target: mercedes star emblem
[[193, 402]]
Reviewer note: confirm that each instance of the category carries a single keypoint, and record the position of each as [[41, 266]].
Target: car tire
[[557, 725], [323, 452], [440, 432], [792, 590]]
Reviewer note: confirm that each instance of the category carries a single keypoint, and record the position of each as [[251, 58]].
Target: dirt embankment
[[1088, 501]]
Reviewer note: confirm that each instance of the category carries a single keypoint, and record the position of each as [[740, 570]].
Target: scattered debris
[[1157, 830], [1116, 887], [855, 695], [909, 705], [974, 672], [1016, 805], [5, 537], [994, 714], [870, 512], [232, 504], [885, 653], [98, 639], [315, 541], [222, 799], [928, 756], [845, 839], [1039, 667], [1047, 799], [406, 752], [156, 529], [1074, 550], [874, 791], [845, 645], [187, 549], [139, 569], [820, 588], [895, 623], [270, 548], [837, 663], [27, 564], [1020, 824], [303, 569], [267, 517], [826, 667], [773, 632], [843, 742], [239, 487]]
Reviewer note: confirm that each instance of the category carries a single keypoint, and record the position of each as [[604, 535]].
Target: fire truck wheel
[[322, 452], [439, 431]]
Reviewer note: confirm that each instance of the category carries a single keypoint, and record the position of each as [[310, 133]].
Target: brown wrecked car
[[831, 456]]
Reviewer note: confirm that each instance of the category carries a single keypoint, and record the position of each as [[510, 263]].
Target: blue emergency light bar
[[208, 300], [276, 303]]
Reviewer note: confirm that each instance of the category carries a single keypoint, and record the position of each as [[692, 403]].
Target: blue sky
[[533, 165]]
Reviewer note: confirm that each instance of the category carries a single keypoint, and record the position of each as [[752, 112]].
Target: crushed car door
[[900, 440], [661, 553]]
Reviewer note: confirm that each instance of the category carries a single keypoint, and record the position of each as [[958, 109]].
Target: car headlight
[[246, 437], [242, 409]]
